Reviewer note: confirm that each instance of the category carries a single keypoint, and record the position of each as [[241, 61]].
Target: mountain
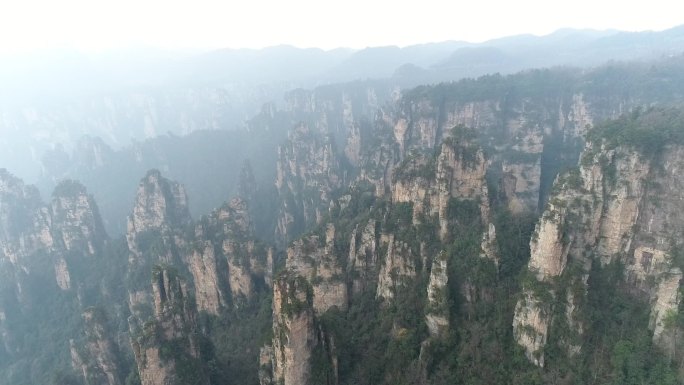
[[611, 226], [50, 101], [519, 228]]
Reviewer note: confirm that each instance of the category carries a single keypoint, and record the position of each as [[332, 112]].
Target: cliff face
[[24, 222], [222, 254], [45, 254], [155, 232], [249, 262], [65, 230], [203, 267], [423, 121], [76, 220], [398, 267], [622, 205], [437, 314], [363, 257], [98, 358], [166, 349], [294, 334], [316, 260], [160, 204], [457, 174], [307, 172], [402, 243]]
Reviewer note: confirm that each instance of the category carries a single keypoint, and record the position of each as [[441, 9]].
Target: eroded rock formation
[[166, 349], [621, 205]]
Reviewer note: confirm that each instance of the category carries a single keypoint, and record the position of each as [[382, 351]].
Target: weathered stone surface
[[160, 204], [531, 326], [98, 358], [76, 221], [25, 226], [62, 274], [174, 322], [294, 334], [548, 249], [239, 272], [317, 262], [307, 171], [397, 267], [202, 266], [31, 231], [266, 365], [461, 173], [458, 172], [362, 263], [437, 314], [618, 207]]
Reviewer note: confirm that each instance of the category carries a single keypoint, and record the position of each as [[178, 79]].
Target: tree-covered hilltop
[[649, 130]]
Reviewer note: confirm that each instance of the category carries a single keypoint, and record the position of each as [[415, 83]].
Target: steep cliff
[[76, 221], [24, 222], [250, 264], [363, 257], [437, 312], [64, 231], [397, 268], [294, 333], [98, 358], [308, 171], [204, 269], [167, 348], [416, 214], [160, 205], [50, 255], [155, 233], [621, 207], [316, 260], [435, 185]]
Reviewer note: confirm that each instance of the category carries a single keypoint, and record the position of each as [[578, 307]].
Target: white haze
[[97, 25]]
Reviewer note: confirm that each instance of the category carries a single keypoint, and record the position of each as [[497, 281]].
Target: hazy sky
[[28, 25]]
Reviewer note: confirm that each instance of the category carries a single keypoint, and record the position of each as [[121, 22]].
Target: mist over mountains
[[500, 212], [53, 99]]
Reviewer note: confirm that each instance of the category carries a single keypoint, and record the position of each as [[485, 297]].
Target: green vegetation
[[416, 166], [647, 130], [375, 341], [618, 344]]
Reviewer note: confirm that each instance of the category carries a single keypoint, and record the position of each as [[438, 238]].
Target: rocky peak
[[69, 225], [236, 218], [10, 185], [76, 221], [21, 217], [248, 260], [159, 204], [457, 173]]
